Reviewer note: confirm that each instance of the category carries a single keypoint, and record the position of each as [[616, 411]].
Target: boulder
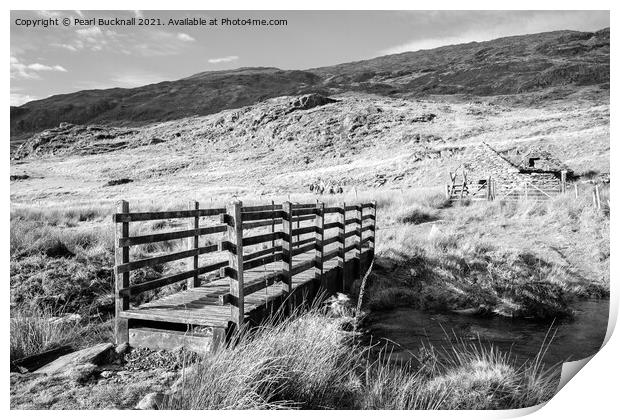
[[310, 101], [95, 355]]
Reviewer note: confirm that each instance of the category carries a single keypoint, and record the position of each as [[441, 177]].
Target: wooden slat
[[332, 225], [160, 215], [304, 211], [269, 222], [350, 234], [248, 265], [304, 230], [331, 254], [258, 239], [174, 278], [258, 254], [303, 242], [333, 210], [303, 218], [161, 259], [266, 207], [306, 265], [261, 215], [368, 217], [331, 240], [369, 227], [261, 283], [352, 221], [350, 247], [306, 248], [169, 236]]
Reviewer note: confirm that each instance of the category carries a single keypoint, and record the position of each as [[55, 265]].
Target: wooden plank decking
[[200, 306]]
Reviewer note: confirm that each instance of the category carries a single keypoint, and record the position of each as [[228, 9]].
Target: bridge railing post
[[359, 212], [192, 243], [121, 256], [318, 240], [235, 262], [287, 248], [341, 235], [373, 231]]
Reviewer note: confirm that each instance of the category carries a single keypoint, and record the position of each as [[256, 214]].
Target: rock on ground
[[95, 355]]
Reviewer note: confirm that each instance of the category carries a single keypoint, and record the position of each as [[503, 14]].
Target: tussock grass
[[460, 264], [308, 361]]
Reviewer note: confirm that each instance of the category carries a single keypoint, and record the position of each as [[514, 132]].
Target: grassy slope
[[265, 150]]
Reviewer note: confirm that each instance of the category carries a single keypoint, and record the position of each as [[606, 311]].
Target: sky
[[61, 59]]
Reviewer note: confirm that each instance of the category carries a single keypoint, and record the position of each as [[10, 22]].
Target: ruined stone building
[[535, 173]]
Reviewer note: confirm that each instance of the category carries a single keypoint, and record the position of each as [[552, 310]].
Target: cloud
[[21, 70], [438, 28], [93, 39], [185, 37], [43, 67], [48, 14], [65, 46], [18, 99], [91, 32], [227, 59]]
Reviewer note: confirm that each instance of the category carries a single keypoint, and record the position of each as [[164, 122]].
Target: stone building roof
[[536, 159], [483, 160]]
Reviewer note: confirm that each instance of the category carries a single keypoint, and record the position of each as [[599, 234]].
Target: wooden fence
[[287, 238], [487, 190]]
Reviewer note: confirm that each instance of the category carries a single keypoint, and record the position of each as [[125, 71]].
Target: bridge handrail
[[287, 237]]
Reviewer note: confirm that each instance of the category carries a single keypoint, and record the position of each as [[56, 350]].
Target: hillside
[[284, 144], [564, 60]]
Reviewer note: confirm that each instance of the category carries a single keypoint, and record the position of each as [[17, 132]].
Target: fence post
[[597, 194], [576, 191], [287, 240], [341, 232], [318, 241], [526, 184], [192, 243], [489, 191], [235, 261], [563, 182], [121, 256]]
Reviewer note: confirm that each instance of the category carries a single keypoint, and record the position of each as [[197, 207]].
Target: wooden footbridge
[[238, 265]]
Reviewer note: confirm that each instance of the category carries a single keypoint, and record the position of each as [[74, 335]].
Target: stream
[[405, 331]]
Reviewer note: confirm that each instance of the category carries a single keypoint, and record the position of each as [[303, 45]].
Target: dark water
[[575, 339]]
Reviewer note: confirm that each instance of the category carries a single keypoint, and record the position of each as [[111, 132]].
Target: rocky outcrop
[[76, 139], [309, 101]]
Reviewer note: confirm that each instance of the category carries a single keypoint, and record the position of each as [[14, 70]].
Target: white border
[[592, 394]]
